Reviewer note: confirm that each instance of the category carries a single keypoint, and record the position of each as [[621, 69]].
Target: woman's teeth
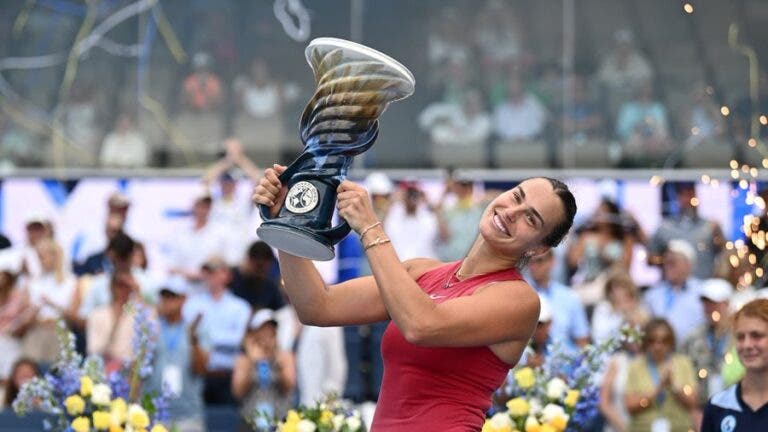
[[497, 221]]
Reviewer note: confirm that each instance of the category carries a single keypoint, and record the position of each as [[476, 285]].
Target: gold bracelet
[[378, 241], [368, 228]]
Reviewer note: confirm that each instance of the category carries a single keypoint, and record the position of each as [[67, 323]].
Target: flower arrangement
[[561, 395], [330, 415], [83, 398]]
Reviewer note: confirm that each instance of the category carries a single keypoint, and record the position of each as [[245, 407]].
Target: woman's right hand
[[270, 191]]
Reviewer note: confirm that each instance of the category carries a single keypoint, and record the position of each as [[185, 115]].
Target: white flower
[[551, 411], [534, 406], [101, 394], [501, 421], [338, 422], [556, 388], [306, 426], [353, 423]]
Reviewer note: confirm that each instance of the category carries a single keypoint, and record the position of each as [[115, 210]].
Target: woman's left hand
[[355, 206]]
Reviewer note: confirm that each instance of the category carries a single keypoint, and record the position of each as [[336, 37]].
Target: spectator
[[109, 328], [622, 305], [251, 280], [224, 320], [676, 296], [499, 35], [538, 350], [643, 128], [197, 243], [99, 262], [520, 116], [412, 225], [81, 124], [51, 294], [459, 123], [264, 377], [456, 219], [701, 119], [15, 315], [758, 224], [37, 229], [139, 260], [23, 370], [569, 320], [446, 45], [180, 360], [742, 406], [582, 117], [705, 235], [613, 388], [661, 386], [623, 70], [202, 88], [601, 244], [709, 343], [125, 146], [259, 94], [321, 363]]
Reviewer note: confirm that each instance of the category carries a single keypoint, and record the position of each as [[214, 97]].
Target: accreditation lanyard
[[654, 372], [171, 335]]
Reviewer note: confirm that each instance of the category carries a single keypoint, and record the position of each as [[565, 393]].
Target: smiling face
[[752, 342], [519, 219]]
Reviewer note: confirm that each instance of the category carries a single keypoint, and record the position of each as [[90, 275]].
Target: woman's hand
[[355, 206], [270, 191]]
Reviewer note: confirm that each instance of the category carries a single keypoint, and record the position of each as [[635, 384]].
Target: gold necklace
[[456, 275]]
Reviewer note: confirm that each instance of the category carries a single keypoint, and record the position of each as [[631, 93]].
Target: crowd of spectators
[[229, 337]]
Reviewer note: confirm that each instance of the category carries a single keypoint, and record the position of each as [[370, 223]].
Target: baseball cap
[[35, 218], [379, 183], [545, 311], [175, 285], [214, 263], [716, 290], [261, 317], [683, 248]]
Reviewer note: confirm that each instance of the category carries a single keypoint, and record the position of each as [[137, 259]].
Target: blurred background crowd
[[500, 83], [217, 87]]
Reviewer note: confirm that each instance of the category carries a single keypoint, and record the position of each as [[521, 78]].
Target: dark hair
[[655, 324], [260, 250], [11, 390], [569, 208], [122, 246]]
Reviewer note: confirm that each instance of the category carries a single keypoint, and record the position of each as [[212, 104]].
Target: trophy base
[[295, 241]]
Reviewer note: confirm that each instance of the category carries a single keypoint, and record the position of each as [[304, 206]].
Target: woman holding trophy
[[457, 328]]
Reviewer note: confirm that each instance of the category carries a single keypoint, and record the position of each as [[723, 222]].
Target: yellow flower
[[137, 417], [158, 428], [518, 407], [115, 428], [86, 385], [547, 428], [101, 420], [292, 417], [287, 427], [558, 423], [118, 411], [81, 424], [525, 378], [75, 405], [532, 425], [487, 426], [326, 417], [571, 398]]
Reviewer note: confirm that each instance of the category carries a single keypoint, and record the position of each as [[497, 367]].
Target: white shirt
[[521, 120], [191, 248], [58, 293], [448, 124], [125, 150], [412, 236], [321, 363]]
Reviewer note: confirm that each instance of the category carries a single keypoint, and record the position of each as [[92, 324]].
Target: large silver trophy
[[355, 84]]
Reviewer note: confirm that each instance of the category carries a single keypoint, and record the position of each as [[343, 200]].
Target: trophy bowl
[[355, 84]]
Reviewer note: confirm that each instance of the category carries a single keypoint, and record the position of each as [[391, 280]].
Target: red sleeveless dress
[[438, 389]]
